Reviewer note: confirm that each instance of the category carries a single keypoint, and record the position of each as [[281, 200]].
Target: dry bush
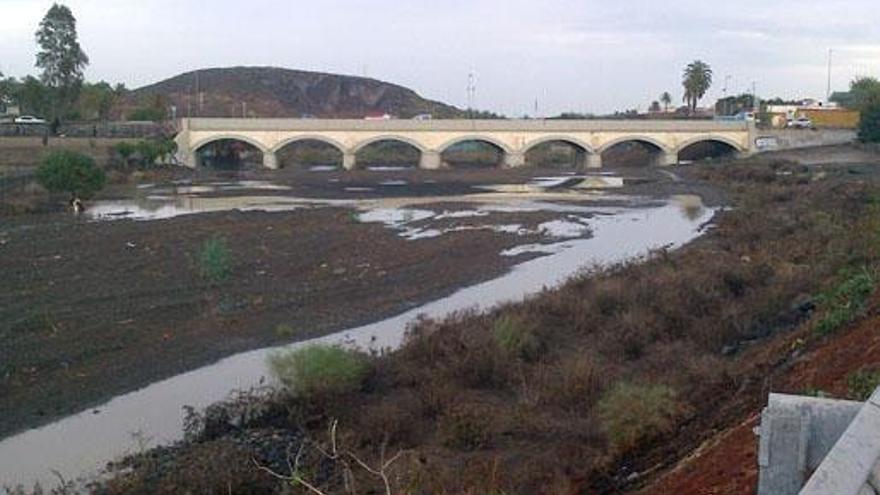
[[465, 427], [631, 413], [212, 467]]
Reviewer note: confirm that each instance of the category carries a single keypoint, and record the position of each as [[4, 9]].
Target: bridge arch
[[388, 150], [475, 137], [546, 152], [711, 138], [312, 152], [230, 137], [309, 137], [474, 151], [562, 138], [708, 147], [225, 151], [390, 138], [637, 138], [636, 150]]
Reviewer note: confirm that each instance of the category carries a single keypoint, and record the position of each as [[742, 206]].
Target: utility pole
[[471, 91], [726, 109], [755, 105], [828, 88]]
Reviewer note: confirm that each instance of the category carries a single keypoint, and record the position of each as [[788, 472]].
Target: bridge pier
[[270, 160], [430, 160], [594, 160], [349, 160], [514, 159], [190, 159]]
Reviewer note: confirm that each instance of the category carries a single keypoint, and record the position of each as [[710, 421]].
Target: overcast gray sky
[[587, 55]]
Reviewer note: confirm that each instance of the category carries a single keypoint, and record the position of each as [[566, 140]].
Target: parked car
[[800, 123], [29, 119]]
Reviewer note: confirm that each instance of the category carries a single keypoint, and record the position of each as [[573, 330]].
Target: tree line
[[60, 91]]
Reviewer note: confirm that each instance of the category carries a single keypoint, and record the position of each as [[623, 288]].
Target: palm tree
[[697, 79], [666, 99]]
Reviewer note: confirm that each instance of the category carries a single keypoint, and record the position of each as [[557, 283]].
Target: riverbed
[[520, 241]]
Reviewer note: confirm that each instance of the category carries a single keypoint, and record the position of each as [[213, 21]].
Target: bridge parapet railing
[[218, 124], [838, 441]]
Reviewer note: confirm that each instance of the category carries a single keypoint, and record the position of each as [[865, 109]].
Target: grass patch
[[630, 413], [319, 370], [215, 260], [861, 384], [516, 336], [846, 301], [285, 331]]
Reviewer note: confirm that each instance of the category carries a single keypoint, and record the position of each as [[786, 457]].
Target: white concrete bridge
[[514, 138]]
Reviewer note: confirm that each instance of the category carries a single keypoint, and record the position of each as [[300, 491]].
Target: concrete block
[[847, 467]]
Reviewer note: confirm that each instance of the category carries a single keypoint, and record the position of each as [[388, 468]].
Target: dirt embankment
[[726, 463]]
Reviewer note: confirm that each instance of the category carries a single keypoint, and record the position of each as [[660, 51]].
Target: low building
[[822, 115], [9, 111]]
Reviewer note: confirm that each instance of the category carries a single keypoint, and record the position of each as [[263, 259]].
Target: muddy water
[[81, 444]]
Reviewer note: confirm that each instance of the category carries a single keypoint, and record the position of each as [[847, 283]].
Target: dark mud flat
[[92, 309]]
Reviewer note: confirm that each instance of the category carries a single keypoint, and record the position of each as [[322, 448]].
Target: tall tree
[[666, 100], [696, 79], [61, 58], [864, 92], [96, 100]]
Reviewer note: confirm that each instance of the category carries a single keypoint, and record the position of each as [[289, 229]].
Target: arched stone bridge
[[432, 137]]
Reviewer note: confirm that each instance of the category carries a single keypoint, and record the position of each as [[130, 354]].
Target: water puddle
[[81, 444], [158, 207], [388, 168], [183, 197], [573, 184]]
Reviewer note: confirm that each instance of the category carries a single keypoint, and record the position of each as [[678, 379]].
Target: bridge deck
[[432, 137]]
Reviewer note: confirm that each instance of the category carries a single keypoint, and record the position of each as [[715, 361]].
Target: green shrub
[[125, 149], [869, 124], [630, 413], [285, 331], [71, 172], [516, 336], [861, 384], [846, 301], [148, 150], [147, 114], [319, 370], [215, 260]]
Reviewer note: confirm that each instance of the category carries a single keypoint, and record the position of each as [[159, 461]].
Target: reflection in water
[[82, 443], [691, 205]]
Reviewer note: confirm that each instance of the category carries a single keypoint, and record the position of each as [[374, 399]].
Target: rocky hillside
[[275, 92]]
